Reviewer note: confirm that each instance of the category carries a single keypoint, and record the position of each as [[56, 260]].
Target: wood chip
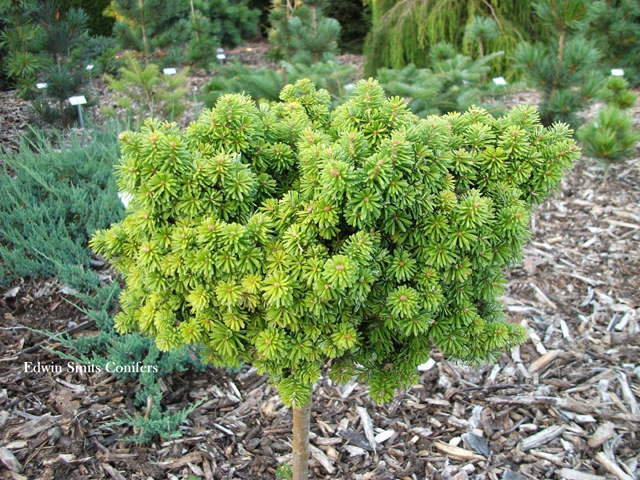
[[367, 426], [611, 467], [601, 435], [627, 394], [456, 452], [113, 473], [9, 460], [35, 426], [543, 361], [354, 451], [322, 459], [542, 438], [569, 474], [384, 435]]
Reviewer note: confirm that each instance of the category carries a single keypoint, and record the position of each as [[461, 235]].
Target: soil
[[563, 405]]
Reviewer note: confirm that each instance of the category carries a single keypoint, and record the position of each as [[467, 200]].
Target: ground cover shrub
[[403, 30], [54, 196], [452, 83], [565, 68], [290, 237]]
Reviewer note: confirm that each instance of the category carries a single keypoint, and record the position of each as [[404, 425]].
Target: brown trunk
[[301, 426], [560, 55], [145, 41]]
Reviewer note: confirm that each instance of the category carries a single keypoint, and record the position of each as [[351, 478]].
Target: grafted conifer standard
[[290, 237]]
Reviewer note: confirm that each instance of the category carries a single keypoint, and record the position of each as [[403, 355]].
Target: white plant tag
[[221, 56], [125, 198], [89, 67], [169, 71], [79, 100], [499, 81], [41, 85], [617, 72]]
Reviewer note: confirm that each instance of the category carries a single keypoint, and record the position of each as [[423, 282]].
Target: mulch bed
[[561, 406]]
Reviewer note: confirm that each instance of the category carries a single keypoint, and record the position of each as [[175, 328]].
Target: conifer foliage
[[566, 67], [288, 237]]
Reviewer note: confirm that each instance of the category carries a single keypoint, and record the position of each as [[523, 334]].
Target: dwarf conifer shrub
[[290, 237]]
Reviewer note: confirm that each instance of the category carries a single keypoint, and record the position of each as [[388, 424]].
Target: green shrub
[[266, 83], [54, 197], [148, 92], [566, 67], [404, 30], [615, 29], [611, 137], [453, 83], [300, 33], [288, 236], [616, 93]]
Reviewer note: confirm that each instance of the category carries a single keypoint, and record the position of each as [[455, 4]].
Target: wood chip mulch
[[564, 405]]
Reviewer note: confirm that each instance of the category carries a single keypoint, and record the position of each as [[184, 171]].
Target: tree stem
[[145, 41], [301, 426]]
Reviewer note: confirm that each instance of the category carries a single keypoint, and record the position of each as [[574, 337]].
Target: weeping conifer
[[403, 30]]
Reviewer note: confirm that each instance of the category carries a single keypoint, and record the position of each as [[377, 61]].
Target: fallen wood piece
[[113, 473], [601, 435], [541, 295], [628, 395], [355, 438], [367, 426], [322, 459], [569, 474], [611, 467], [9, 460], [354, 451], [542, 438], [563, 403], [456, 452], [543, 361], [547, 456], [194, 457], [35, 426]]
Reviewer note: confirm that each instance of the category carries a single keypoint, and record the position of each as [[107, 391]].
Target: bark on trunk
[[301, 426]]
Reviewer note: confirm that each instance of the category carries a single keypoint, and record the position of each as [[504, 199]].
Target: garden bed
[[562, 403]]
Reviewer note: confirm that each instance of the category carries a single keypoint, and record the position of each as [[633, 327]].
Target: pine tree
[[288, 236], [616, 93], [610, 138], [453, 83], [147, 92], [23, 39], [301, 33], [148, 25], [63, 75], [615, 29], [566, 68]]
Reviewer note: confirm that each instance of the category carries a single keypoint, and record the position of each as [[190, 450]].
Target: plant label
[[125, 198], [169, 71], [617, 72], [499, 81], [40, 86], [221, 56], [79, 100], [89, 67]]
